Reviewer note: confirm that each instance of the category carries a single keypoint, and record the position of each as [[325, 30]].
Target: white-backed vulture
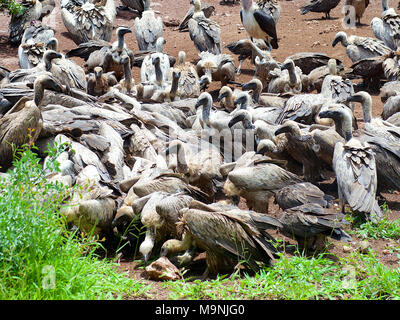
[[207, 9], [375, 126], [387, 28], [148, 28], [189, 82], [205, 33], [246, 48], [300, 147], [309, 225], [358, 48], [88, 20], [33, 44], [23, 122], [99, 83], [359, 9], [258, 183], [33, 10], [155, 68], [100, 53], [355, 168], [287, 79], [324, 6], [228, 237], [215, 67]]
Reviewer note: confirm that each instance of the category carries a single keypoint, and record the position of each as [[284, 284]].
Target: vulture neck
[[346, 126], [257, 92], [147, 4], [181, 158], [246, 4], [38, 93], [128, 75], [174, 88], [47, 62], [385, 5], [206, 112], [246, 103], [159, 75], [121, 42], [367, 109], [292, 75]]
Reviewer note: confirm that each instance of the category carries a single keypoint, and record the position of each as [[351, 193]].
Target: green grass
[[383, 229], [359, 276], [39, 257]]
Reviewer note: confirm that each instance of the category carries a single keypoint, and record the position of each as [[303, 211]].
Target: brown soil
[[296, 33]]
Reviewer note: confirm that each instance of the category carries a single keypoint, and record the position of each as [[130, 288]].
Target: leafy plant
[[12, 6], [39, 257]]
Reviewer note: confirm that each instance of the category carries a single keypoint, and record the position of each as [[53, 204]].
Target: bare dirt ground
[[296, 32]]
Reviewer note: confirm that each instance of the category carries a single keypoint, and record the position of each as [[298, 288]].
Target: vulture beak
[[200, 102], [335, 41], [355, 98], [221, 96], [239, 100], [249, 86], [282, 129], [235, 120]]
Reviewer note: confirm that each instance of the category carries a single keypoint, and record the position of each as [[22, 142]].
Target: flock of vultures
[[157, 159]]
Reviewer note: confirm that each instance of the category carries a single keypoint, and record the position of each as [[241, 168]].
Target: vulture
[[33, 10], [23, 122], [287, 79], [99, 53], [302, 193], [387, 28], [246, 48], [100, 83], [207, 9], [359, 9], [228, 237], [358, 48], [204, 32], [189, 82], [324, 6], [258, 183], [88, 20], [155, 68], [148, 28], [259, 24], [33, 44], [355, 168], [215, 67], [309, 224]]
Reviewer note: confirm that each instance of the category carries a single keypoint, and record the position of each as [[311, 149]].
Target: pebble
[[363, 246], [386, 251], [347, 249]]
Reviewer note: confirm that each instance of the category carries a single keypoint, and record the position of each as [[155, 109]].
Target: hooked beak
[[335, 42], [199, 103], [325, 114], [354, 98], [281, 130], [248, 86], [235, 120], [239, 100], [203, 83], [221, 96]]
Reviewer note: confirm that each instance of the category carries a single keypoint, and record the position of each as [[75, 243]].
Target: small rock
[[162, 269], [347, 249], [363, 246], [386, 251]]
